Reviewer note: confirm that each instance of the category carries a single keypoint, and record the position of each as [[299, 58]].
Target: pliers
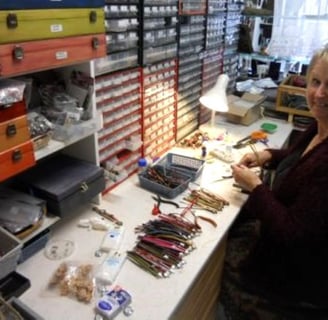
[[156, 210], [252, 138]]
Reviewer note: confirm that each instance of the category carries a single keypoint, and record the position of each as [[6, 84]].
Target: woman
[[277, 257]]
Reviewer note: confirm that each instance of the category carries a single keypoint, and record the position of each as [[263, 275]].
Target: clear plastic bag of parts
[[73, 279], [11, 91]]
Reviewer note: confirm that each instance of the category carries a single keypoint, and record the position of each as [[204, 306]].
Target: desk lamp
[[216, 98]]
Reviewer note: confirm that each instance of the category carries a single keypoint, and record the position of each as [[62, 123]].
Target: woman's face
[[317, 91]]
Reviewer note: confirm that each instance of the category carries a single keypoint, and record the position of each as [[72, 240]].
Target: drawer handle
[[84, 187], [5, 106], [17, 155], [12, 21], [11, 130], [95, 43], [93, 16], [18, 53]]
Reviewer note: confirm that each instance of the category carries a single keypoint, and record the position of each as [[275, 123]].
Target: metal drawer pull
[[16, 156], [12, 21], [93, 16], [18, 53], [84, 187], [95, 43], [11, 130]]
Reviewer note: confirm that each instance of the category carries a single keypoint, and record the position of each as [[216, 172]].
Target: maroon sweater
[[291, 258]]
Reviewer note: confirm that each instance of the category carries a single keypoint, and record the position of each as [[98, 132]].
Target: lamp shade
[[216, 98]]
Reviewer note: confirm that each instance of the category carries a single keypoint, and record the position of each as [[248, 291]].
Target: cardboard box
[[245, 109]]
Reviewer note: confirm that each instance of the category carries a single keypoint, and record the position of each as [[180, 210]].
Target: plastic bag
[[75, 280], [11, 91]]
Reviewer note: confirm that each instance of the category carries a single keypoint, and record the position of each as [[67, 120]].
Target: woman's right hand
[[252, 160]]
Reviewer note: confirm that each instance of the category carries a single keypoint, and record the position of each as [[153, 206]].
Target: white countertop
[[152, 298]]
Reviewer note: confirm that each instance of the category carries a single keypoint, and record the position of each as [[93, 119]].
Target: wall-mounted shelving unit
[[192, 35], [214, 49], [158, 31], [159, 107], [118, 97], [122, 36], [231, 38], [180, 50], [41, 56]]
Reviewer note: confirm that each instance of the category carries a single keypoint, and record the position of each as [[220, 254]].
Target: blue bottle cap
[[142, 162]]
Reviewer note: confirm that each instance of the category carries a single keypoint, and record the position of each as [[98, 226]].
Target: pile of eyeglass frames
[[163, 243]]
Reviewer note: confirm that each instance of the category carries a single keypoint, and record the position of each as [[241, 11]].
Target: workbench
[[189, 293]]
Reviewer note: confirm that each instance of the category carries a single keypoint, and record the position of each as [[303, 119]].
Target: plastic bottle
[[142, 164]]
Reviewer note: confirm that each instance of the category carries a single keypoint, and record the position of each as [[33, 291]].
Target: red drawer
[[11, 111], [16, 160], [19, 58], [14, 132]]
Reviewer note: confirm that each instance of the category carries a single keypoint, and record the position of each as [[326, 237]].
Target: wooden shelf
[[287, 88], [292, 112]]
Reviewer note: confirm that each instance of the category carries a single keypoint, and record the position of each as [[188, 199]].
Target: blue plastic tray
[[149, 184], [186, 165]]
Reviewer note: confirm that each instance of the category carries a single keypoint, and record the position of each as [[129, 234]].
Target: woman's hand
[[251, 160], [244, 177]]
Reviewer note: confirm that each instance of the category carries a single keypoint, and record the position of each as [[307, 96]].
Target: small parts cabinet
[[16, 146], [291, 97]]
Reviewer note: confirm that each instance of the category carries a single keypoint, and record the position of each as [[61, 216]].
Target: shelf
[[47, 222], [258, 56], [293, 112], [79, 132], [291, 88]]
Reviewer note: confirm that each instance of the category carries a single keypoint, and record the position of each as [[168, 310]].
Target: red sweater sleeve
[[298, 210]]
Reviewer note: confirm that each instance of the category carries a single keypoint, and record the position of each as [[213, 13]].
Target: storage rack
[[118, 98], [212, 68], [56, 54], [159, 107], [122, 36], [146, 37], [214, 48], [231, 38], [158, 31], [191, 48], [291, 99], [182, 47], [158, 53]]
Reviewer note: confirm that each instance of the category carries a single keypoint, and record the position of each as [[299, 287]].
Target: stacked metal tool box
[[36, 35]]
